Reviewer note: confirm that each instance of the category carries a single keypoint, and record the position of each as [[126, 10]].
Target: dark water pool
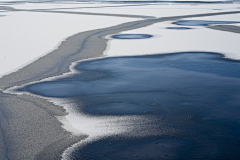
[[202, 22], [178, 28], [193, 98], [131, 36]]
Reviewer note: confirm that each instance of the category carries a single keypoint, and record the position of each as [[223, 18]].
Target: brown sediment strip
[[30, 129]]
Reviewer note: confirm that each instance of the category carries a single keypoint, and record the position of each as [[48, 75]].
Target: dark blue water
[[131, 36], [193, 99], [202, 22], [178, 28]]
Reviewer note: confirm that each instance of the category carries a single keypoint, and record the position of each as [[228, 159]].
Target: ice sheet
[[34, 37], [26, 36], [163, 10], [66, 5], [173, 40]]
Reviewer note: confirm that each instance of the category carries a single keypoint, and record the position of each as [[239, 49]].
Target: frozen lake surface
[[191, 100], [181, 103], [202, 23]]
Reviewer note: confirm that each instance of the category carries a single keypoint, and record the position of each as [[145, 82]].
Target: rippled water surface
[[193, 100]]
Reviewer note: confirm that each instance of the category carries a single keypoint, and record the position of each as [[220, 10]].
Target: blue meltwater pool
[[192, 99]]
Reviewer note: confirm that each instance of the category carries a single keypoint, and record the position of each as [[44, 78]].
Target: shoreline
[[31, 128]]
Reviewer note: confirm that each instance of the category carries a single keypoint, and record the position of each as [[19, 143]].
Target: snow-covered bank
[[162, 10], [63, 5], [197, 38], [29, 35]]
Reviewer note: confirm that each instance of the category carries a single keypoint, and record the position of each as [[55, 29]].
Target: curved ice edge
[[57, 45], [65, 120], [66, 124], [13, 89]]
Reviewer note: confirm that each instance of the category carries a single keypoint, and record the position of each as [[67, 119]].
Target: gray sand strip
[[7, 8], [116, 6], [96, 14], [228, 28], [30, 128], [3, 144]]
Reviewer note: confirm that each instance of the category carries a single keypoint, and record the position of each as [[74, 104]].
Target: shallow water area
[[192, 100]]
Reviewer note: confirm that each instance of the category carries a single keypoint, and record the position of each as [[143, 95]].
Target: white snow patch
[[26, 36], [2, 57], [172, 40], [163, 10], [59, 5]]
